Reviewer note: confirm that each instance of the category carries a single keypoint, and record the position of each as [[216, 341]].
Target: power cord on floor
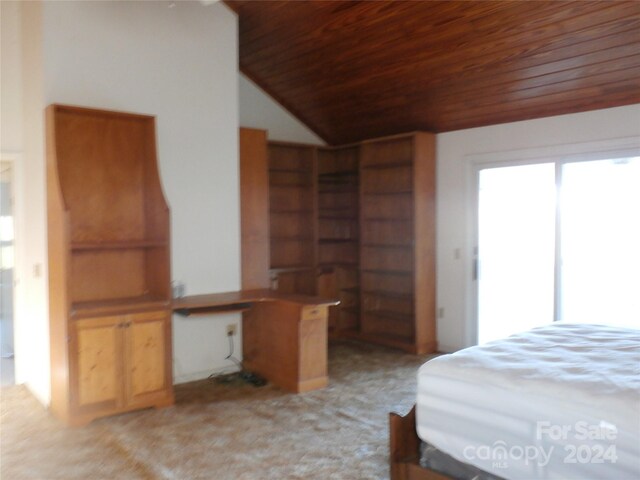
[[242, 375]]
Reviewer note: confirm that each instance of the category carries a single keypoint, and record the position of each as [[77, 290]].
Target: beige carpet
[[222, 432]]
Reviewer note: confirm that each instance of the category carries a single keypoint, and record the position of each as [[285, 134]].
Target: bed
[[560, 401]]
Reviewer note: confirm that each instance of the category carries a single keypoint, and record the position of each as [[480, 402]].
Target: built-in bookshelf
[[357, 223], [397, 231], [292, 207]]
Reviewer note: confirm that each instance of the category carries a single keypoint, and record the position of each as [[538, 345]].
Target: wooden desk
[[284, 337]]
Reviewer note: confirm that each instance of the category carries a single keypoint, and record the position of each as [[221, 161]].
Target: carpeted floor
[[221, 432]]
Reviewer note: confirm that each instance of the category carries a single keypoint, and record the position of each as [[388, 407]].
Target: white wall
[[177, 61], [259, 110], [31, 314], [456, 151], [11, 72]]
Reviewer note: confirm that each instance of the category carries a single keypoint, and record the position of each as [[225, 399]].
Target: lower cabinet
[[119, 363]]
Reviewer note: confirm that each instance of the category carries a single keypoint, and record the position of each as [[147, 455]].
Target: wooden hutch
[[109, 269]]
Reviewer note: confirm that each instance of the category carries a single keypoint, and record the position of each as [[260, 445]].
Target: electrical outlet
[[231, 329], [441, 312]]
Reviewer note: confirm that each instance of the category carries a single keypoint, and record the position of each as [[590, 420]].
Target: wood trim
[[58, 270], [254, 208], [424, 187], [59, 108]]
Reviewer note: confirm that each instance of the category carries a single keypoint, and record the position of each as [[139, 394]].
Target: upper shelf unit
[[111, 213]]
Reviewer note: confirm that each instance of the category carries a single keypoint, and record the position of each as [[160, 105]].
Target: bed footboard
[[404, 450]]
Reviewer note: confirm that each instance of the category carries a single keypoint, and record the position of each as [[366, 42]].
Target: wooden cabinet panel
[[89, 143], [254, 208], [98, 361], [121, 362], [113, 274], [146, 353]]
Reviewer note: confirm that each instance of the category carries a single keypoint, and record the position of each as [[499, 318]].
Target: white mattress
[[483, 405]]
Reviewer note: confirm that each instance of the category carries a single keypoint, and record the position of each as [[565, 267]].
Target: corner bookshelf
[[357, 223], [338, 235]]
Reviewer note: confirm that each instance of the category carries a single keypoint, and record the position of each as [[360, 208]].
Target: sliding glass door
[[600, 242], [558, 241], [516, 249]]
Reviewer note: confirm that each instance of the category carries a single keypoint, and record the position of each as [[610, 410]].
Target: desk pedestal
[[287, 344]]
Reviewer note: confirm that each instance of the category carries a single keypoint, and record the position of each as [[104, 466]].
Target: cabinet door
[[96, 363], [147, 357]]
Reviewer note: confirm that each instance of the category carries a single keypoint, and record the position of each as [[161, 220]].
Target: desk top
[[225, 299]]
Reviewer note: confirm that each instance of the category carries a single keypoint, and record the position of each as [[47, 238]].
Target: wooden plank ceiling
[[352, 70]]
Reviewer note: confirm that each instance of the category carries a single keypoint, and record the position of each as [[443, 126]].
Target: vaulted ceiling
[[352, 70]]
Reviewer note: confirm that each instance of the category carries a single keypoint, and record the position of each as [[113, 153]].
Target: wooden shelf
[[289, 212], [383, 245], [388, 192], [402, 317], [387, 220], [338, 217], [123, 245], [283, 238], [384, 166], [284, 185], [384, 293], [337, 264], [118, 306], [337, 175], [291, 170], [324, 241], [387, 272], [291, 269]]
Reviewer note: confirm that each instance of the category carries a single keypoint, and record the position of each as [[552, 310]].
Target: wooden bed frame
[[404, 450]]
